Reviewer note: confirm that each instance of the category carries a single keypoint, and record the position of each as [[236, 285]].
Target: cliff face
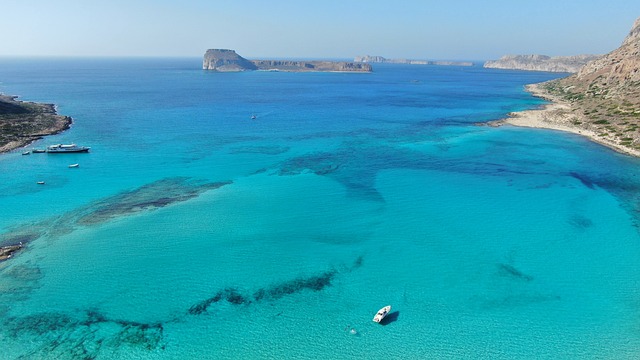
[[570, 64], [225, 60], [229, 60], [605, 93]]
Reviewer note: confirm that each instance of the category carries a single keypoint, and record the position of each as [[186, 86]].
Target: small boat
[[26, 153], [253, 117], [40, 183], [382, 313], [62, 148], [74, 165], [38, 151]]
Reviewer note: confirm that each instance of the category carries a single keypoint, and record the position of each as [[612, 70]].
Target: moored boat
[[38, 151], [69, 148], [26, 153], [382, 313], [74, 165]]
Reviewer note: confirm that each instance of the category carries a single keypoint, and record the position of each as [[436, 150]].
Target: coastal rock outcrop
[[225, 60], [380, 59], [228, 60], [570, 64]]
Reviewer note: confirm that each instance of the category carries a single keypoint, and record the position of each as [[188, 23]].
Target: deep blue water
[[192, 230]]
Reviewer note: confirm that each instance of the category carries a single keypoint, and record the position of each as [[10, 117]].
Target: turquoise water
[[193, 231]]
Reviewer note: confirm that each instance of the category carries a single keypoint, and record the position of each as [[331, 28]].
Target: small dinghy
[[382, 313], [74, 165], [40, 183]]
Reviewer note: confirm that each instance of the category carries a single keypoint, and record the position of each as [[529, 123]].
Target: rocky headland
[[225, 60], [22, 123], [601, 101], [569, 64], [382, 60]]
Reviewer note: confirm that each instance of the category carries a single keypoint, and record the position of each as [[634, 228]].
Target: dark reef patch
[[583, 179], [148, 197], [510, 271], [274, 292], [231, 295], [86, 335]]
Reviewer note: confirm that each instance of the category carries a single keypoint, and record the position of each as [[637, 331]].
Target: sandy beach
[[559, 115]]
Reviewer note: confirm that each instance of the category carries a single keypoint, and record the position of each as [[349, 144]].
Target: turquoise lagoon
[[193, 231]]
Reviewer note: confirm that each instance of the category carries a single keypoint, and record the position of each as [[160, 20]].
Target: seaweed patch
[[580, 222], [264, 150], [511, 271]]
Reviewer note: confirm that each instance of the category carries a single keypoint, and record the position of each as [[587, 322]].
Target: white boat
[[74, 165], [62, 148], [40, 183], [382, 313], [26, 153]]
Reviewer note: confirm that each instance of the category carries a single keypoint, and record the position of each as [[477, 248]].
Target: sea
[[269, 215]]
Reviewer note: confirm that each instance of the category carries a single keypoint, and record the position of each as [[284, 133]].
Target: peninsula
[[225, 60], [25, 122], [570, 64], [380, 59], [601, 101]]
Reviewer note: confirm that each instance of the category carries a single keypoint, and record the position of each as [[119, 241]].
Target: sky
[[340, 29]]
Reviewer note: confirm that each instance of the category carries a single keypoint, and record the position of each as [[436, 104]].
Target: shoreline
[[28, 122], [558, 115]]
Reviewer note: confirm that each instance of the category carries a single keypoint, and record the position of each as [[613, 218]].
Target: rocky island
[[569, 64], [601, 101], [22, 123], [381, 60], [225, 60]]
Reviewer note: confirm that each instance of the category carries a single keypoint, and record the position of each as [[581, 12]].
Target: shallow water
[[192, 229]]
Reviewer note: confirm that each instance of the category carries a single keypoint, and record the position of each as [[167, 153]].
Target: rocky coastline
[[225, 60], [601, 101], [25, 122], [569, 64]]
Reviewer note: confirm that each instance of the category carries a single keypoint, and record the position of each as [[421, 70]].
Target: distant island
[[380, 59], [225, 60], [601, 101], [569, 64], [25, 122]]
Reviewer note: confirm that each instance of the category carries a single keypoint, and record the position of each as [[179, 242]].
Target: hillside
[[570, 64], [601, 101], [21, 123]]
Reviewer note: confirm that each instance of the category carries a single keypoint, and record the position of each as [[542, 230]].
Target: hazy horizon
[[464, 30]]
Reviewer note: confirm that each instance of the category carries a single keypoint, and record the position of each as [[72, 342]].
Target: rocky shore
[[601, 101], [560, 115], [25, 122], [6, 252]]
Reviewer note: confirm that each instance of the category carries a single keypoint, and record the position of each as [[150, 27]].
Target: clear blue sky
[[421, 29]]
